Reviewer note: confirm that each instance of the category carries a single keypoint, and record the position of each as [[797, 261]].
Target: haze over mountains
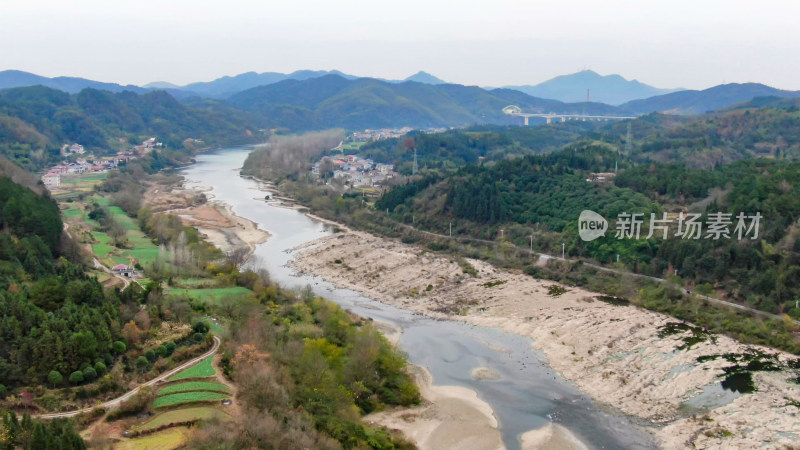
[[316, 99], [610, 89]]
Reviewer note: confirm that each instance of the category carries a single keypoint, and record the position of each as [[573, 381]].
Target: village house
[[51, 179], [125, 271]]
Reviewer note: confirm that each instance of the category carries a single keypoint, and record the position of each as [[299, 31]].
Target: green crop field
[[183, 415], [203, 369], [194, 386], [72, 212], [162, 440], [102, 248], [187, 397], [212, 296]]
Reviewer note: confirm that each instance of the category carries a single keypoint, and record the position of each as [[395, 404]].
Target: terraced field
[[188, 397], [203, 369], [182, 416], [194, 386], [162, 440]]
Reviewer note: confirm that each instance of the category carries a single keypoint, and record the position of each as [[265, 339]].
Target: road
[[606, 269], [115, 402], [125, 280]]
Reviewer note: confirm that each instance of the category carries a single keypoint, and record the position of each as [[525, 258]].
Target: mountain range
[[586, 84], [318, 99], [333, 100]]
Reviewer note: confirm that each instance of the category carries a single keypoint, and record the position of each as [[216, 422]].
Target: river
[[528, 394]]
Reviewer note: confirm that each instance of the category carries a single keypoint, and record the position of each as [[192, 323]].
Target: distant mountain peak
[[612, 89], [161, 85], [425, 77]]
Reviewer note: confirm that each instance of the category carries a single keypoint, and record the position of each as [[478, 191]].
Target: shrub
[[55, 378], [161, 350], [76, 377], [120, 347], [89, 373], [200, 327], [170, 347], [141, 363]]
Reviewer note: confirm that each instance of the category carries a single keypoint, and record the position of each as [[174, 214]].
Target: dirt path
[[115, 402], [125, 280]]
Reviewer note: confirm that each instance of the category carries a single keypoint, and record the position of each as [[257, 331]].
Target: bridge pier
[[549, 120], [526, 121]]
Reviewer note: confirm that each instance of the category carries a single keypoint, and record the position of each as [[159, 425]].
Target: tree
[[141, 363], [131, 333], [76, 377], [55, 378], [200, 327], [171, 346], [120, 347], [89, 373], [100, 367], [161, 350], [150, 355]]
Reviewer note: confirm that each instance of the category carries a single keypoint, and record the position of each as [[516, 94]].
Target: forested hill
[[699, 102], [36, 121], [710, 139], [333, 101], [696, 141], [545, 194], [52, 316]]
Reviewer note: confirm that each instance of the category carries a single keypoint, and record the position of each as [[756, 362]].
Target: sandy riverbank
[[214, 220], [450, 417], [611, 352]]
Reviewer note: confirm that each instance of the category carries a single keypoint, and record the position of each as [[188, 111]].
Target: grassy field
[[351, 147], [217, 329], [162, 440], [182, 415], [194, 386], [212, 296], [202, 370], [103, 247], [188, 397]]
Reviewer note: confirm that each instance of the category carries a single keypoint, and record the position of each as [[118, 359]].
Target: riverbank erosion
[[617, 353]]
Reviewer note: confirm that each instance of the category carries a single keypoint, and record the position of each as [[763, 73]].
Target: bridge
[[514, 110]]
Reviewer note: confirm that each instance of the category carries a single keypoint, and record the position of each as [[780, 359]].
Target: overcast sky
[[666, 43]]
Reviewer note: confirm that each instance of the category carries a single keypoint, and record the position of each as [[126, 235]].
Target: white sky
[[666, 43]]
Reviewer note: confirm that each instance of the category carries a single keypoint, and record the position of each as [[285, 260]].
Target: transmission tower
[[414, 169]]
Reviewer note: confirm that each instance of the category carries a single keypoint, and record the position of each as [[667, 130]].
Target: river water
[[528, 394]]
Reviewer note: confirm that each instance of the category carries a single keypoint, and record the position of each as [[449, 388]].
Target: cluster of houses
[[357, 171], [383, 133], [147, 145], [52, 178]]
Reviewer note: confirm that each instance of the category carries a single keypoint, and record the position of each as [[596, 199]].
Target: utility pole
[[531, 243], [451, 229], [414, 169], [563, 247]]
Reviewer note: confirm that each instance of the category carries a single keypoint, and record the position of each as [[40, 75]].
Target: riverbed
[[524, 392]]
